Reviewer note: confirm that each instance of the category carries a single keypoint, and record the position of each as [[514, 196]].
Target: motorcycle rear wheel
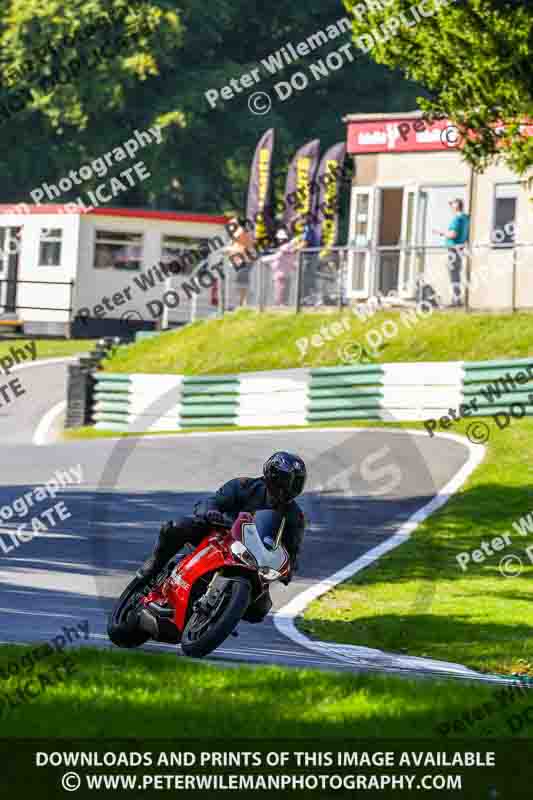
[[123, 626], [202, 634]]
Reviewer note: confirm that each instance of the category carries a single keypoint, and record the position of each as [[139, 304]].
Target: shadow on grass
[[127, 694]]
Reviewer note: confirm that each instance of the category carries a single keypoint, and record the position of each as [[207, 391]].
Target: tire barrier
[[389, 392]]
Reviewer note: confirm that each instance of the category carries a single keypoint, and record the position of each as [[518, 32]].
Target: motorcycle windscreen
[[253, 536]]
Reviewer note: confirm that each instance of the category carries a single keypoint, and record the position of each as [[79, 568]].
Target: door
[[361, 232], [409, 258], [389, 231]]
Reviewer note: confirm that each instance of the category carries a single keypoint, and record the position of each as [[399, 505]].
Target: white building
[[406, 172], [85, 274]]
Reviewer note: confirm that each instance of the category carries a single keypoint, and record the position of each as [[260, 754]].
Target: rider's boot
[[164, 549]]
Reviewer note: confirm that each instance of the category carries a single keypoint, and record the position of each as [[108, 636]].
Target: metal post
[[467, 266], [220, 295], [164, 318], [340, 270], [299, 280], [70, 308], [514, 280], [261, 299], [472, 191]]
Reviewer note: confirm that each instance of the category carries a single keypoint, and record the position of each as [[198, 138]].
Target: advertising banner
[[259, 186], [299, 196], [329, 186]]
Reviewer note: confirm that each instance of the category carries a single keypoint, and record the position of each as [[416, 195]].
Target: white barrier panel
[[424, 374]]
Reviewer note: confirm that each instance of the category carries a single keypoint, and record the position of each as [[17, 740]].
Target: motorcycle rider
[[284, 476]]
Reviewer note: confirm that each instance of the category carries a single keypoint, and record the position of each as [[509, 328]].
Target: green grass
[[115, 694], [416, 599], [49, 348], [249, 341]]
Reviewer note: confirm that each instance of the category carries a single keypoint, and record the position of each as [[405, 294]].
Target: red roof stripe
[[138, 213]]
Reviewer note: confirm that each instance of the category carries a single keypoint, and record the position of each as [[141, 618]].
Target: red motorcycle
[[199, 598]]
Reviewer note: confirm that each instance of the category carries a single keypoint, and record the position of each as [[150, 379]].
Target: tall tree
[[473, 57], [68, 75], [176, 53]]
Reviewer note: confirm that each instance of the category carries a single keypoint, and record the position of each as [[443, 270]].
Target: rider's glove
[[168, 528], [215, 517], [288, 578]]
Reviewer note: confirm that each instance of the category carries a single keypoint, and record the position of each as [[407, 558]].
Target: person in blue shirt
[[456, 237]]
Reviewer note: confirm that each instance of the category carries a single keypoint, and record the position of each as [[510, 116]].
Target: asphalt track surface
[[363, 485]]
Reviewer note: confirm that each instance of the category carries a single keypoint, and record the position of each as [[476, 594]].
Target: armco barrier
[[389, 392], [210, 401], [499, 385], [172, 402]]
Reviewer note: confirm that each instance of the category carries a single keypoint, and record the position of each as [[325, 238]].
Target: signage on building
[[405, 135]]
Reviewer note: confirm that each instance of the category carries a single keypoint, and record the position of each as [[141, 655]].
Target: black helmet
[[285, 476]]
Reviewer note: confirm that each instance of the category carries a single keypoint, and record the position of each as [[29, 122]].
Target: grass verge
[[89, 432], [49, 348], [417, 600], [247, 341], [113, 694], [475, 617]]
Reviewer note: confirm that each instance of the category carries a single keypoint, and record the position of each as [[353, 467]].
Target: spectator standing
[[283, 262], [456, 237]]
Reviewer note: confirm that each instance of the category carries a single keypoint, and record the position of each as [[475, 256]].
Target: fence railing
[[316, 277], [9, 296]]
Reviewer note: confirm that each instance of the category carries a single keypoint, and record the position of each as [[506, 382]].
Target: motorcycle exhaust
[[156, 621], [148, 623]]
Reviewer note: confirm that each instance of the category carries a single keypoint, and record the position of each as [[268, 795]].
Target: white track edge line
[[39, 362], [284, 618], [42, 431]]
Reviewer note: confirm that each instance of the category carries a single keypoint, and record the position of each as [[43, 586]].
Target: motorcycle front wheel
[[204, 633]]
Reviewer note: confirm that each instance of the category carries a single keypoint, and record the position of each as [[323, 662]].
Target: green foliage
[[473, 58], [172, 54]]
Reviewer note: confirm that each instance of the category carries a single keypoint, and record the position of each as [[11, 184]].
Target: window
[[436, 213], [182, 254], [504, 219], [50, 247], [118, 250]]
